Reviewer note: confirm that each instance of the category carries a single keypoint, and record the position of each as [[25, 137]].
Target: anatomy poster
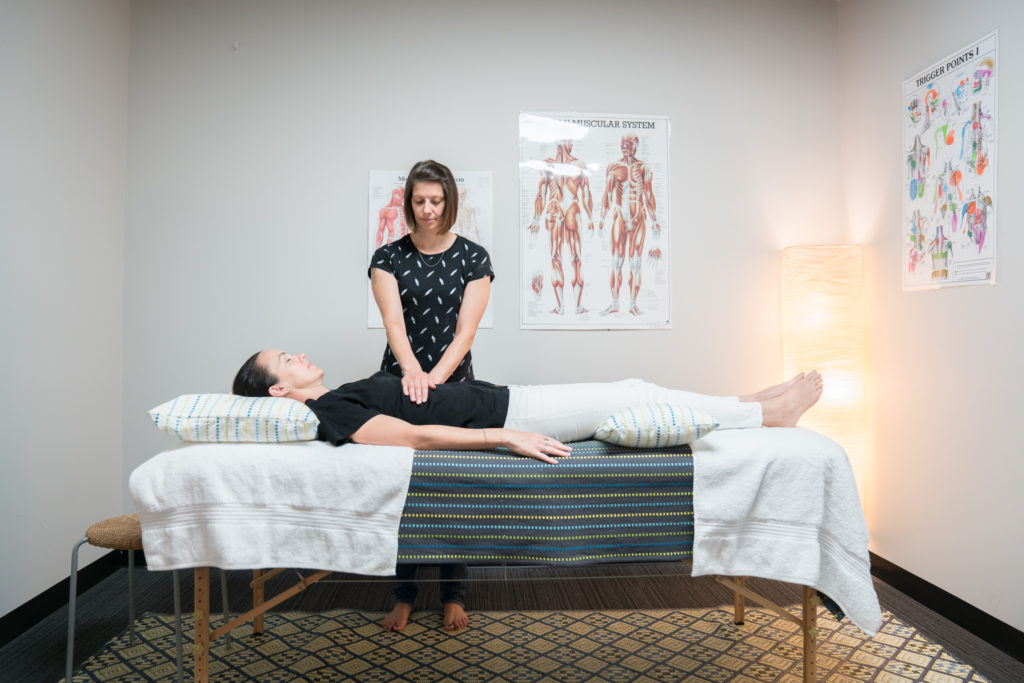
[[386, 220], [949, 186], [594, 221]]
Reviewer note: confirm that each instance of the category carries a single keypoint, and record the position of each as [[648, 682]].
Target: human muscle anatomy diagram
[[596, 186], [628, 202], [949, 146], [562, 196], [390, 214]]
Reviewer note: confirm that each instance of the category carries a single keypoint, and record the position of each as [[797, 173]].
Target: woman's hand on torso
[[416, 385]]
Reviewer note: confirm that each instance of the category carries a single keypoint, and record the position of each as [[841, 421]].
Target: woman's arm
[[415, 382], [383, 430], [474, 302]]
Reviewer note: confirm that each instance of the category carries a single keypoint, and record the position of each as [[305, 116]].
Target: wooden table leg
[[810, 629], [257, 600], [739, 604], [201, 648]]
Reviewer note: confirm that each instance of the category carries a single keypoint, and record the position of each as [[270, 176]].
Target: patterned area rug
[[649, 645]]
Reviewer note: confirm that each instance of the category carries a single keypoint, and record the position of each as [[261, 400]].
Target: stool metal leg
[[73, 599], [177, 625], [72, 596], [131, 598]]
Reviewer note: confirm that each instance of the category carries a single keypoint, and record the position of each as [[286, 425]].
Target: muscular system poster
[[949, 182], [386, 220], [594, 221]]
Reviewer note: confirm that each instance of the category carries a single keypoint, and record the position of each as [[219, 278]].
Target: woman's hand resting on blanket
[[533, 445]]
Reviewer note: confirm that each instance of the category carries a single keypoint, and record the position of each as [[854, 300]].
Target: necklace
[[425, 261]]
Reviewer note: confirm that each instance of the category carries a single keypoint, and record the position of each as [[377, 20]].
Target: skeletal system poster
[[594, 221], [386, 220], [949, 187]]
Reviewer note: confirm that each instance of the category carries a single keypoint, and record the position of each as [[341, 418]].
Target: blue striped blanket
[[603, 504]]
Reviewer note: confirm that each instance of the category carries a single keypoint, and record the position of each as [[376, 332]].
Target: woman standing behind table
[[431, 287]]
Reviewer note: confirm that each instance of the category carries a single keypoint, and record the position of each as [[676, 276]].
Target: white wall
[[946, 391], [247, 174], [62, 139], [246, 195]]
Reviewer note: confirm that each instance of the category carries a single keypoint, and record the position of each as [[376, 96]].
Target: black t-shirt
[[431, 287], [474, 404]]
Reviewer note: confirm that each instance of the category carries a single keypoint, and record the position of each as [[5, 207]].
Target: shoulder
[[357, 392], [344, 410], [476, 262], [475, 259], [400, 246], [389, 255], [469, 248]]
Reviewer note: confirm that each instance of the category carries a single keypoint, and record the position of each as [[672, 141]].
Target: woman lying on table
[[534, 420]]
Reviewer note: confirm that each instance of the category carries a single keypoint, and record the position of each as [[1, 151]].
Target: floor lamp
[[823, 329]]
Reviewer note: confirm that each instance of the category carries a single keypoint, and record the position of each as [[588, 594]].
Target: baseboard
[[968, 617], [20, 619]]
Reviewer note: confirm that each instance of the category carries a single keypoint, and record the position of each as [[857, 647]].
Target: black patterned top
[[431, 287]]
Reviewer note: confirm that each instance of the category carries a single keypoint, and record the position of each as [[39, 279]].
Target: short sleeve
[[478, 262], [339, 417], [384, 259]]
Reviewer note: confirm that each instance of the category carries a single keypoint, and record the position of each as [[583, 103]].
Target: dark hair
[[253, 379], [431, 171]]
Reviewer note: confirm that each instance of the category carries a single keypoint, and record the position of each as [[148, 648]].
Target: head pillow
[[239, 419], [655, 425]]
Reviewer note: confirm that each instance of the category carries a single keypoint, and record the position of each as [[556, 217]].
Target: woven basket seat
[[116, 533]]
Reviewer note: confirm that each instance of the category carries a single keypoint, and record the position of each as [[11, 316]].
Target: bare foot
[[455, 617], [772, 391], [398, 617], [786, 409]]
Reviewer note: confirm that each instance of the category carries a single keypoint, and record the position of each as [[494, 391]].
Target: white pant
[[571, 412]]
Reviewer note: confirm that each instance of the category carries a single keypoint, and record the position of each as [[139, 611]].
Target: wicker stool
[[125, 533], [116, 533]]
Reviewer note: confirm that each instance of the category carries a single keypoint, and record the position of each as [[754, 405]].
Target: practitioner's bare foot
[[398, 617], [455, 617], [772, 391], [786, 409]]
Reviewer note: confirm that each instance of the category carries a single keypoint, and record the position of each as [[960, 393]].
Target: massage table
[[774, 503]]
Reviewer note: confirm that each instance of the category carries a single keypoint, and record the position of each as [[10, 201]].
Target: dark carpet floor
[[39, 654]]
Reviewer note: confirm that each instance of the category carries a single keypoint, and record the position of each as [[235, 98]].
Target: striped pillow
[[655, 425], [240, 419]]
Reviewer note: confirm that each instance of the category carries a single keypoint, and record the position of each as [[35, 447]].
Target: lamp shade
[[823, 329]]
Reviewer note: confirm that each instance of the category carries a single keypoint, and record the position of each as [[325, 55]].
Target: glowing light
[[823, 329]]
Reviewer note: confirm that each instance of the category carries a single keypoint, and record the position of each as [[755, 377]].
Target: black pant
[[453, 586]]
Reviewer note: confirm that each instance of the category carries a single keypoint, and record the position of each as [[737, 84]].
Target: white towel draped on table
[[304, 505], [774, 503], [782, 504]]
